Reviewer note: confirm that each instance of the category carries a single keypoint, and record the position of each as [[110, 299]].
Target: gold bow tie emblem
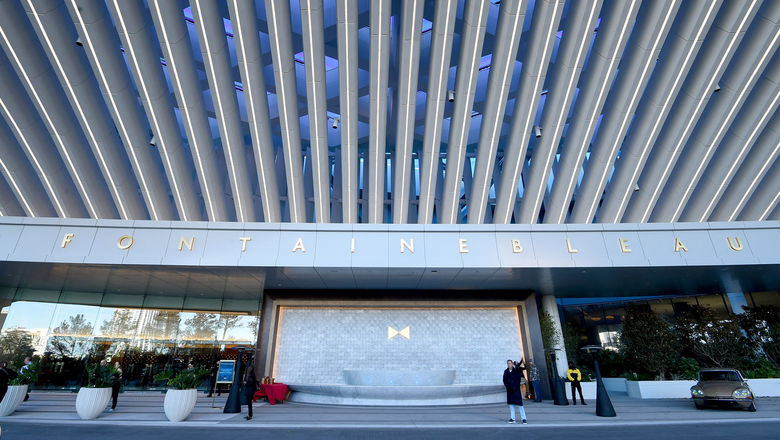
[[391, 332]]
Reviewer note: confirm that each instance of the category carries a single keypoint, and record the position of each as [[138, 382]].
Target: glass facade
[[603, 322], [66, 337]]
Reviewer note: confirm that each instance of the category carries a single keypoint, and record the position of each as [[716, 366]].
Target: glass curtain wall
[[65, 338]]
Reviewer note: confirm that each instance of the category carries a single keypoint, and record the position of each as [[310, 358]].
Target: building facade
[[356, 186]]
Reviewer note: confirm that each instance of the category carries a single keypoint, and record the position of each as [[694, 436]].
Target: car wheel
[[698, 406], [752, 407]]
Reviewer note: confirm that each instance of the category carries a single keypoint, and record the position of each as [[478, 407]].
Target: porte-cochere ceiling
[[446, 111]]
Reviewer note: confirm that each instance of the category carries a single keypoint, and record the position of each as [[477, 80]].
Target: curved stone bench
[[392, 387], [399, 378], [398, 395]]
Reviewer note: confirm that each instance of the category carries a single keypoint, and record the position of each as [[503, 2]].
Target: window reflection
[[239, 329], [25, 330], [197, 341], [69, 345], [66, 337]]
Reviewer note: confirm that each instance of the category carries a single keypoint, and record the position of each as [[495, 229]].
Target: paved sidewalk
[[630, 412], [147, 409], [141, 407]]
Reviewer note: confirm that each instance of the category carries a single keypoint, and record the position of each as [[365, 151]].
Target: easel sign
[[226, 371]]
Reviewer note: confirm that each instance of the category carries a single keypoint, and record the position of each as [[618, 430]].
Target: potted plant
[[182, 392], [17, 389], [93, 399]]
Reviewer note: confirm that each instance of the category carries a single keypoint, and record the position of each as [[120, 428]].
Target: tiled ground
[[142, 408]]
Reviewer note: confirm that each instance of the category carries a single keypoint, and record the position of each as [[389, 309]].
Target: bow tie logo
[[391, 332]]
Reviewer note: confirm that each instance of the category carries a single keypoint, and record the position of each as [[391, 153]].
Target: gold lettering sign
[[184, 242], [125, 242], [624, 246], [67, 239], [679, 246], [736, 245], [299, 246]]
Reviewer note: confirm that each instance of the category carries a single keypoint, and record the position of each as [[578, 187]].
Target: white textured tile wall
[[314, 345]]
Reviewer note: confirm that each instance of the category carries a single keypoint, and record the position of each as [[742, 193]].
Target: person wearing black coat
[[6, 375], [513, 376], [250, 386]]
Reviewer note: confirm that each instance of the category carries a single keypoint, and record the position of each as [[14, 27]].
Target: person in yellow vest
[[574, 376]]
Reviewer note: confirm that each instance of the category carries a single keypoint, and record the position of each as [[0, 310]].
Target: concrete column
[[550, 306], [264, 336], [736, 301], [4, 302], [533, 345], [736, 298]]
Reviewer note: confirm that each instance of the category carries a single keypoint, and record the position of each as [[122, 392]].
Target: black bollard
[[604, 406], [233, 403], [559, 386]]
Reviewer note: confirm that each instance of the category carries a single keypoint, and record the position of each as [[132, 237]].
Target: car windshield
[[730, 376]]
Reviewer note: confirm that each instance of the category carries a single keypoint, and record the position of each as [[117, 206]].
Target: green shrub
[[100, 376], [188, 379], [26, 376], [184, 379], [712, 340], [648, 343], [761, 369], [163, 376], [762, 331], [612, 363], [685, 369], [550, 338]]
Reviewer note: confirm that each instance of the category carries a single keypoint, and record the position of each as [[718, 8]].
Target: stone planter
[[659, 389], [179, 404], [90, 402], [12, 399], [765, 387]]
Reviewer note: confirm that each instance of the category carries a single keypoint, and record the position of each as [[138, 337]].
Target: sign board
[[226, 371]]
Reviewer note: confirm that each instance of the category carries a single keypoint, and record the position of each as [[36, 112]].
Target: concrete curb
[[497, 424]]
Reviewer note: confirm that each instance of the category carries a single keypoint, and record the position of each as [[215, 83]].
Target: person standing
[[514, 396], [6, 375], [575, 376], [26, 366], [116, 384], [250, 386], [533, 376], [213, 380]]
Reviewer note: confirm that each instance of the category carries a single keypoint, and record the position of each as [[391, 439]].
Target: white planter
[[12, 399], [179, 404], [764, 387], [659, 389], [681, 389], [615, 384], [632, 388], [588, 390], [90, 402]]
